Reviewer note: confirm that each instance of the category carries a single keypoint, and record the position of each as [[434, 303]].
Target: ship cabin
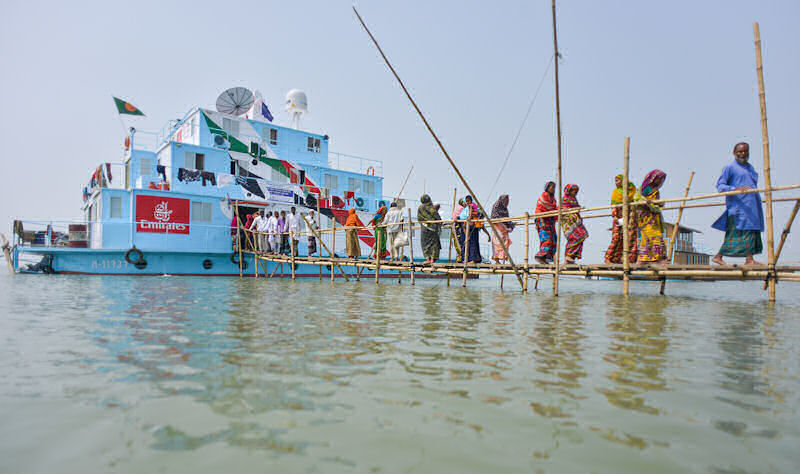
[[686, 251], [178, 189]]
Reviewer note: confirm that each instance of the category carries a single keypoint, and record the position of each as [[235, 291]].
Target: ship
[[168, 207]]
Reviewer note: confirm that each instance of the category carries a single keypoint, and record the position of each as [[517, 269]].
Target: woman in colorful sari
[[379, 248], [500, 211], [353, 247], [574, 230], [431, 245], [650, 222], [546, 226], [614, 252], [468, 214]]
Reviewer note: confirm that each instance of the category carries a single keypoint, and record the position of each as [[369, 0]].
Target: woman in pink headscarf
[[574, 230]]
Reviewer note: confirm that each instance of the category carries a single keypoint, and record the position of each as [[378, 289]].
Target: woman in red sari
[[574, 230], [546, 226]]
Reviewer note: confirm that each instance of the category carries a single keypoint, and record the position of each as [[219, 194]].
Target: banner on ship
[[162, 215]]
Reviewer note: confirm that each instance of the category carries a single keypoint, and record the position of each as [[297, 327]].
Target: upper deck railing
[[154, 141]]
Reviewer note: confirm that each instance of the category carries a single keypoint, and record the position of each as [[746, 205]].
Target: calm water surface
[[172, 374]]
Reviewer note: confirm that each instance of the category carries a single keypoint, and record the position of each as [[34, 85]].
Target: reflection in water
[[392, 378], [637, 347]]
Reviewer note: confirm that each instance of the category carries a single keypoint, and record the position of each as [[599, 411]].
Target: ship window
[[331, 181], [354, 185], [201, 211], [144, 166], [115, 208], [194, 161], [273, 136], [369, 187], [313, 144], [230, 125]]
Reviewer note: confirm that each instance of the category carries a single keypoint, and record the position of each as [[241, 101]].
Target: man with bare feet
[[743, 219]]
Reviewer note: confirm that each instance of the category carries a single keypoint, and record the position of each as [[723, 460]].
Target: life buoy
[[360, 202], [235, 260], [371, 171], [134, 251]]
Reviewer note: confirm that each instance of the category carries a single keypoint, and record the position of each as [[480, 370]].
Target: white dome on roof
[[296, 102]]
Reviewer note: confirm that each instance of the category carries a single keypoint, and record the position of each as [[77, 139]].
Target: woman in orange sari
[[352, 222]]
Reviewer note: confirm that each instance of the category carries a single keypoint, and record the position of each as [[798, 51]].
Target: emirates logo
[[162, 213]]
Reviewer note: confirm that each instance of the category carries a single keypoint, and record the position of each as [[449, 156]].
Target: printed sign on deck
[[162, 214]]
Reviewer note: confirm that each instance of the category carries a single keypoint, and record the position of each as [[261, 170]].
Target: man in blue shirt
[[743, 219]]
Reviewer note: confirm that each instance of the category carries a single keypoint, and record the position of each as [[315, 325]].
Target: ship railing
[[111, 175], [354, 164], [38, 234]]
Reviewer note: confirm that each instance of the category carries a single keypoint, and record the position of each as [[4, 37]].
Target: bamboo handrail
[[319, 237]]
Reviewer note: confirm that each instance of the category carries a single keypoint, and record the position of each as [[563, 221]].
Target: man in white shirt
[[256, 227], [272, 228], [296, 226], [396, 238], [264, 238]]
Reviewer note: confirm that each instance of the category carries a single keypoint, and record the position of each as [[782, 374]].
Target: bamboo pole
[[333, 244], [626, 212], [318, 218], [785, 233], [465, 253], [527, 250], [675, 231], [325, 246], [559, 231], [7, 253], [452, 235], [291, 246], [377, 253], [441, 147], [765, 150], [239, 233], [405, 181], [411, 244]]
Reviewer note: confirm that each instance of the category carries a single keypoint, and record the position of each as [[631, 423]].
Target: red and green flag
[[126, 108]]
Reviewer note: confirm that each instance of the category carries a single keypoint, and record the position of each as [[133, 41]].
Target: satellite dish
[[235, 101]]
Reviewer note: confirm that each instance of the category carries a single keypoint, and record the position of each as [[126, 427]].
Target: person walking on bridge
[[352, 224], [614, 252], [428, 217], [500, 211], [650, 221], [743, 219], [574, 230], [546, 226]]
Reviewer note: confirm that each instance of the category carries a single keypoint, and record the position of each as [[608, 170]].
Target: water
[[172, 374]]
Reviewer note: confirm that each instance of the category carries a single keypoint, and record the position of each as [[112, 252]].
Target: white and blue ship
[[167, 208]]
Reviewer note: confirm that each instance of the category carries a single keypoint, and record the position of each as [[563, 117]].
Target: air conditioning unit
[[220, 141]]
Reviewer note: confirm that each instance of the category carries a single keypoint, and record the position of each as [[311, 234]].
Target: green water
[[171, 374]]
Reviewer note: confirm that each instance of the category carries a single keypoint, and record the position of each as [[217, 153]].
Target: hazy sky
[[677, 77]]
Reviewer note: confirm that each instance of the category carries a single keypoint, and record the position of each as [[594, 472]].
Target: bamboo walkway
[[769, 274]]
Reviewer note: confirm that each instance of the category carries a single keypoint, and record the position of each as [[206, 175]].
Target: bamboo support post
[[333, 244], [785, 234], [466, 252], [411, 244], [559, 191], [626, 212], [325, 246], [291, 247], [239, 233], [318, 219], [377, 254], [7, 253], [674, 235], [765, 150], [527, 247], [452, 235], [441, 146]]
